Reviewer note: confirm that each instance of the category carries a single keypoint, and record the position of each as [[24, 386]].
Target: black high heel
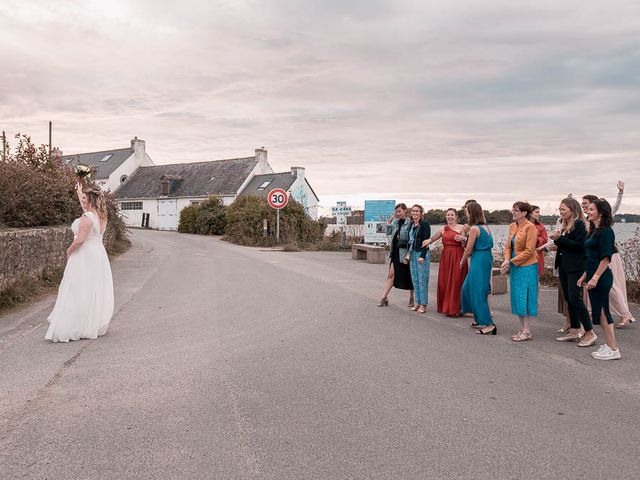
[[384, 302], [491, 332]]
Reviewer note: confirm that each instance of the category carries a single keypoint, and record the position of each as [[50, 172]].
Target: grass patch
[[26, 288]]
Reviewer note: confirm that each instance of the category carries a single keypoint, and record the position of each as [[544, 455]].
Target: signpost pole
[[277, 199]]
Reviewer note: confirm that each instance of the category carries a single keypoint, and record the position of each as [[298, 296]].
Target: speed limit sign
[[278, 198]]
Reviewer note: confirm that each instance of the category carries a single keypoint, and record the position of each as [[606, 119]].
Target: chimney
[[164, 187], [138, 147], [261, 157], [297, 172]]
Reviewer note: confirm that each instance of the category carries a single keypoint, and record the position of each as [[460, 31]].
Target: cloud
[[496, 97]]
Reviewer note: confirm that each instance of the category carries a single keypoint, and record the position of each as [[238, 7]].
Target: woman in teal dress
[[477, 284]]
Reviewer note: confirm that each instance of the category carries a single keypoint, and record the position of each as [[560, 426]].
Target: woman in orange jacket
[[521, 259]]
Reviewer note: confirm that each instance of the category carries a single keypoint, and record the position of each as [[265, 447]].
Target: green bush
[[211, 218], [208, 218], [115, 237], [187, 222], [245, 219], [33, 196]]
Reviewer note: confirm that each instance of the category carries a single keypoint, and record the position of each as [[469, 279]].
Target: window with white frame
[[130, 205], [265, 184], [107, 157]]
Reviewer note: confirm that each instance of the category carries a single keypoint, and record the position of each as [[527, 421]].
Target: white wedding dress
[[84, 306]]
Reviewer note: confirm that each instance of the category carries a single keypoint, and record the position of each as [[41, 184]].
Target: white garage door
[[167, 214]]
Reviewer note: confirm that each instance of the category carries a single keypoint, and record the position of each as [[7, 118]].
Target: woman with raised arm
[[399, 275], [521, 260], [618, 301], [598, 278], [84, 306], [477, 284], [570, 264], [450, 275]]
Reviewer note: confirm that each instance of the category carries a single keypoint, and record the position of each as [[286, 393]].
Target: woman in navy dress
[[600, 246], [477, 284]]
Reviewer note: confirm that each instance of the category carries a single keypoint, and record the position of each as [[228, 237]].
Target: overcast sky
[[427, 101]]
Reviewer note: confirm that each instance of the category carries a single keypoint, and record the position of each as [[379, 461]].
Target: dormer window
[[106, 157], [165, 187], [265, 184]]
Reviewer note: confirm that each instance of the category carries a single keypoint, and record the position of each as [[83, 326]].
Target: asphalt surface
[[230, 362]]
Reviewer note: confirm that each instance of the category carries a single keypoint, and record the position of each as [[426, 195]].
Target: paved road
[[228, 362]]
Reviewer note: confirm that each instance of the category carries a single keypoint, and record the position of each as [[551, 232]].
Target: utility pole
[[4, 146], [50, 127]]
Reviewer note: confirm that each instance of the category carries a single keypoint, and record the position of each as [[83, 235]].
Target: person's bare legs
[[388, 285], [527, 323], [609, 332]]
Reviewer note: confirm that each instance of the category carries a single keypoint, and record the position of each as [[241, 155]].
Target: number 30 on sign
[[278, 198]]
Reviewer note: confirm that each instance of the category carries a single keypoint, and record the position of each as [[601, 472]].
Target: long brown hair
[[96, 201], [576, 213], [533, 209], [476, 215]]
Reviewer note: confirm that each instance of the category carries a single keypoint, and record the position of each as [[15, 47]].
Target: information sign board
[[376, 215]]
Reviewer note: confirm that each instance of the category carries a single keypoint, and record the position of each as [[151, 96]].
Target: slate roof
[[198, 179], [278, 180], [93, 159]]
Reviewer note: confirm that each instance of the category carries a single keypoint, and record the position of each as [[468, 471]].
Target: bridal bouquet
[[82, 170]]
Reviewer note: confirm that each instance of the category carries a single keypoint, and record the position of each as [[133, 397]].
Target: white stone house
[[154, 195], [157, 194], [112, 168], [294, 183]]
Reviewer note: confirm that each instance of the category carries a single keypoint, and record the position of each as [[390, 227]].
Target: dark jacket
[[403, 237], [422, 232], [570, 254]]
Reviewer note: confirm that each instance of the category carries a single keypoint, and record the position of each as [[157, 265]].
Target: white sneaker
[[607, 354], [603, 347]]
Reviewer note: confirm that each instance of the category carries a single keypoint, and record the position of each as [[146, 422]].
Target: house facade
[[154, 196], [294, 183], [112, 168]]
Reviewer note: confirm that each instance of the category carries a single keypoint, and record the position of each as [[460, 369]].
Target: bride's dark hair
[[96, 200]]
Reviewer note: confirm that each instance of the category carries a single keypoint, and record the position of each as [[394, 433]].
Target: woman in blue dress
[[477, 284], [599, 247], [521, 259]]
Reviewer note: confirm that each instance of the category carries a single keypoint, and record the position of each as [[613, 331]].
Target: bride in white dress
[[84, 306]]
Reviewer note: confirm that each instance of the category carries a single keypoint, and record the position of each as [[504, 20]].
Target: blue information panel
[[378, 210], [376, 214]]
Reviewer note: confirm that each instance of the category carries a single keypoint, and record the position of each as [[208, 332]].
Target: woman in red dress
[[543, 237], [450, 275]]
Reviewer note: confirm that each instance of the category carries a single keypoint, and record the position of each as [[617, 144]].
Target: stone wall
[[31, 252]]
